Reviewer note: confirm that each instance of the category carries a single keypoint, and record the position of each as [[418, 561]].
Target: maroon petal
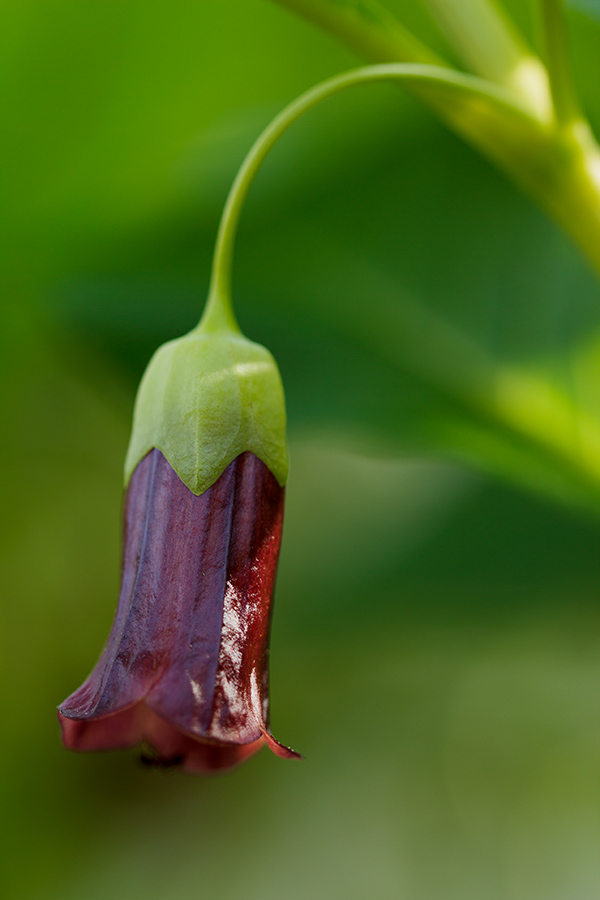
[[138, 724], [190, 636], [111, 732], [191, 754]]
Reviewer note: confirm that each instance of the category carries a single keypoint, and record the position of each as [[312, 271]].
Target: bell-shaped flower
[[185, 668]]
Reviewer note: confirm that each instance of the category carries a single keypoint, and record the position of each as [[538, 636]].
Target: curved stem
[[219, 314]]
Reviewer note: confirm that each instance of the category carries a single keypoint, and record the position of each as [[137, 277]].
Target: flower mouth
[[170, 745]]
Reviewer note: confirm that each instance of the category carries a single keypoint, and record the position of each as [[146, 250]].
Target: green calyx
[[204, 399]]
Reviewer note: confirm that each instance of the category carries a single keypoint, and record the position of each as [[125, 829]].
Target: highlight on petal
[[185, 668]]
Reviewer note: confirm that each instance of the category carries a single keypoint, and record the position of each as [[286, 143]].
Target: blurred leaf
[[101, 101], [468, 356], [588, 6]]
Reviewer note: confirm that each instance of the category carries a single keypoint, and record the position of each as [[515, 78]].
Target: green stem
[[559, 168], [557, 62], [367, 27], [219, 314], [488, 42]]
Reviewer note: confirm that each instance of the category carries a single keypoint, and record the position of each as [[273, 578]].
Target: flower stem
[[219, 314], [491, 46], [556, 57], [367, 27]]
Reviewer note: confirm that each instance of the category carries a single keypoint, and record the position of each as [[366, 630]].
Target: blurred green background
[[435, 651]]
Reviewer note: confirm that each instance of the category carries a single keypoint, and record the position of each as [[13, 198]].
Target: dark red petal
[[280, 749], [93, 697], [192, 754], [138, 724], [174, 577], [191, 630], [112, 732], [238, 710]]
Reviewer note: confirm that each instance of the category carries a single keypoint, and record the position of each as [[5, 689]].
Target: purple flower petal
[[185, 665]]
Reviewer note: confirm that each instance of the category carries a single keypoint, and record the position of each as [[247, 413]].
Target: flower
[[185, 666]]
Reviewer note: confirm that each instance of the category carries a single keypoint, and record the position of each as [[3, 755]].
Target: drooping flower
[[185, 668]]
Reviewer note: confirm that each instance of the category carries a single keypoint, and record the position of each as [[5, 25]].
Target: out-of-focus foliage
[[435, 647]]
